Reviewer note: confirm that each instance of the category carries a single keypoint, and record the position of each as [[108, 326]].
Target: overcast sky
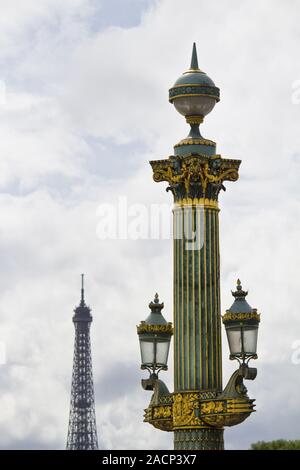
[[83, 108]]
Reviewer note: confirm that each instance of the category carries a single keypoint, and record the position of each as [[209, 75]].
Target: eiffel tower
[[82, 433]]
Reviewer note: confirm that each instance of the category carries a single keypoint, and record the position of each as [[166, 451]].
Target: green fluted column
[[197, 318]]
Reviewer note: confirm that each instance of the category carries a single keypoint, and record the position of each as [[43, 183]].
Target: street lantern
[[155, 337], [241, 323]]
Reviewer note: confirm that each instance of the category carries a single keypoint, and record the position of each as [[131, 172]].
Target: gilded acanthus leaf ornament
[[195, 176], [212, 407], [227, 412], [162, 412], [160, 417]]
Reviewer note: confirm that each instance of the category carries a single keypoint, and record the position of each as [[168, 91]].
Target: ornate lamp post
[[199, 408]]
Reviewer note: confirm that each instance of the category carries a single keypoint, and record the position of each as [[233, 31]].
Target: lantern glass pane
[[234, 340], [162, 352], [250, 339], [147, 351]]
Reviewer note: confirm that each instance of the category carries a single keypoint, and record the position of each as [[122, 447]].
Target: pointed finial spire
[[155, 305], [239, 293], [194, 61], [82, 289]]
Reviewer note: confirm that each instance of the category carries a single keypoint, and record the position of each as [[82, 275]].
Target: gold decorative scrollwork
[[227, 412], [162, 412], [195, 176], [213, 407], [229, 316], [160, 417], [228, 175], [145, 328], [211, 413]]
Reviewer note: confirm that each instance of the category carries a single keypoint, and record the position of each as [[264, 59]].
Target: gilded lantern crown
[[155, 322], [240, 309]]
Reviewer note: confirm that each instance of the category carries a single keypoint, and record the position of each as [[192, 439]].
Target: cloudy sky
[[83, 108]]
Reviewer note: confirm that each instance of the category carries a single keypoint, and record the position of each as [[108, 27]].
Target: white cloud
[[75, 96]]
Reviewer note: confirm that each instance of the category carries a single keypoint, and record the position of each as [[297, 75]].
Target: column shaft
[[197, 319]]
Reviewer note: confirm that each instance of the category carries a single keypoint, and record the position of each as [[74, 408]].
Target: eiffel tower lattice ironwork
[[82, 432]]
